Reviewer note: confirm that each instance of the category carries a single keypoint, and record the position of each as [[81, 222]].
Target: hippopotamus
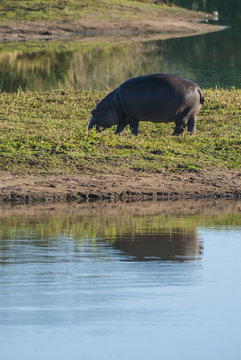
[[160, 98]]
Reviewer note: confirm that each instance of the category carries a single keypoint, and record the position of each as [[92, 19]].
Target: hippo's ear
[[98, 108], [101, 107]]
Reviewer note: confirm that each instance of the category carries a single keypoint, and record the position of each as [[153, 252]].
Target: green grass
[[85, 9], [57, 46], [47, 132]]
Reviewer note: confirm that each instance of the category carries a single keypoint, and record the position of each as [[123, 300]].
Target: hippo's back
[[158, 97]]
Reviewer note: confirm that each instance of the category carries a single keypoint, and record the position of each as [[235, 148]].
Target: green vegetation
[[53, 46], [47, 132], [84, 9]]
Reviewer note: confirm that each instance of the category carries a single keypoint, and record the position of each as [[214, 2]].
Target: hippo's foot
[[99, 128], [177, 132], [180, 126], [134, 124], [120, 128], [191, 127]]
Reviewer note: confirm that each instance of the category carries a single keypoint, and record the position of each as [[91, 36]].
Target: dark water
[[228, 10], [210, 60], [109, 281]]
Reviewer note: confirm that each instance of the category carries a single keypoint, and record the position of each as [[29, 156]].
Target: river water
[[210, 60], [121, 281]]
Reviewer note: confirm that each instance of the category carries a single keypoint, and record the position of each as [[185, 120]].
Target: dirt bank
[[116, 209], [50, 188], [123, 28]]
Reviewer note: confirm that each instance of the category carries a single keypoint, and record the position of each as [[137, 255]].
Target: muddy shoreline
[[118, 208], [16, 189], [102, 30]]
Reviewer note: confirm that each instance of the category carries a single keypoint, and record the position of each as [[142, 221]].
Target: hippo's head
[[103, 116]]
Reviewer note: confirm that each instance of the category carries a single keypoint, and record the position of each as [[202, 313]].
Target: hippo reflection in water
[[174, 246], [157, 98]]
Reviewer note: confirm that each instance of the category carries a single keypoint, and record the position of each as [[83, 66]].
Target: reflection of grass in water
[[99, 65], [108, 226], [71, 64]]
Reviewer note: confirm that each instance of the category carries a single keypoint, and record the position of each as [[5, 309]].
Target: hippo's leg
[[120, 127], [191, 127], [134, 124], [181, 121], [180, 125]]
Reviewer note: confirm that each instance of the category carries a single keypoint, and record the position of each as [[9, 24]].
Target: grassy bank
[[40, 19], [86, 9], [47, 132]]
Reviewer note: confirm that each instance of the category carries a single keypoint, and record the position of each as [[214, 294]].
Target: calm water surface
[[135, 281]]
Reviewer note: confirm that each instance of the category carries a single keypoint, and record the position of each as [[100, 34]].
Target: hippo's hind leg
[[180, 125], [191, 127], [181, 121]]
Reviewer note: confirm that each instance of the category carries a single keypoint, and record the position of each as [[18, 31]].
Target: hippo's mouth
[[92, 123]]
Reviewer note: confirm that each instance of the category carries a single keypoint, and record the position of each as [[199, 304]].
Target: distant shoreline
[[170, 25]]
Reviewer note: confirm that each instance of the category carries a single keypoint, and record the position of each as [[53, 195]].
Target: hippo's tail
[[201, 96]]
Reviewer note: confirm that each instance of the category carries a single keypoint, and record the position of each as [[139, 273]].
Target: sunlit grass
[[86, 9], [47, 132]]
